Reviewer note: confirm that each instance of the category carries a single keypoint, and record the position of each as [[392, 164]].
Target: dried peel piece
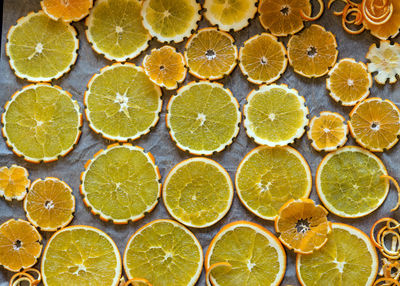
[[384, 60]]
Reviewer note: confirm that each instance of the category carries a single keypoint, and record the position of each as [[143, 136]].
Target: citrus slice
[[349, 182], [170, 20], [66, 10], [14, 182], [211, 54], [81, 255], [49, 204], [41, 122], [328, 131], [203, 118], [347, 258], [230, 14], [349, 82], [275, 115], [164, 252], [122, 103], [20, 245], [198, 192], [121, 183], [262, 59], [312, 52], [255, 255], [165, 67], [375, 124], [264, 182], [303, 226], [384, 60], [137, 282], [41, 49], [115, 29]]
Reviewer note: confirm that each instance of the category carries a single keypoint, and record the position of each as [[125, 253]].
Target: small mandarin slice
[[66, 10], [14, 182]]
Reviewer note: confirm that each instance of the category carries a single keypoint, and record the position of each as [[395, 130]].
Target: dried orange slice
[[211, 54], [303, 226], [165, 67], [384, 60], [328, 131], [66, 10], [375, 124], [349, 82], [262, 59], [20, 245], [312, 52], [14, 182], [49, 204]]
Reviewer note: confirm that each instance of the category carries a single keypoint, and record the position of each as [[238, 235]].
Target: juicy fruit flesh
[[228, 13], [328, 131], [67, 9]]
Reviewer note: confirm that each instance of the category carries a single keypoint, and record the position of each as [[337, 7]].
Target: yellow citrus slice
[[165, 253], [198, 192], [349, 182], [384, 60], [328, 131], [66, 10], [211, 54], [312, 52], [303, 226], [264, 182], [165, 67], [349, 82], [115, 29], [81, 255], [14, 182], [256, 256], [375, 124], [49, 204], [41, 49], [230, 14], [275, 115], [122, 103], [170, 20], [262, 59], [41, 122], [20, 245], [121, 183], [203, 118], [348, 258]]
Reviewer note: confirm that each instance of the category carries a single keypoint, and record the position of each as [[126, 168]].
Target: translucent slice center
[[250, 265], [302, 226], [375, 126], [202, 118], [49, 205], [119, 29], [311, 52], [285, 10], [350, 82], [263, 60], [210, 55], [17, 244]]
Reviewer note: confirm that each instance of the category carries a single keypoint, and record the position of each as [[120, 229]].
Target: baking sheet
[[161, 146]]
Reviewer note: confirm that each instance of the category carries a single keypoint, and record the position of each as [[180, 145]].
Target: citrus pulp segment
[[121, 183], [275, 115], [115, 29], [170, 20], [254, 253], [165, 67], [263, 59], [230, 14], [66, 10], [14, 182], [122, 103], [375, 124], [198, 192], [312, 52], [349, 182], [49, 204], [165, 253], [41, 122], [20, 245], [328, 131], [384, 60], [349, 82], [264, 183], [348, 258], [211, 54], [203, 118], [81, 255], [41, 49]]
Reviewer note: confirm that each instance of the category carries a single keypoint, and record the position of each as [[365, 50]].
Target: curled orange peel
[[18, 278], [134, 282], [389, 232], [396, 185], [225, 265], [319, 14]]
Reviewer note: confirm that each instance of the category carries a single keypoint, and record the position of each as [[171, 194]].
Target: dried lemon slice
[[14, 182], [384, 60], [67, 10], [41, 49], [211, 54]]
